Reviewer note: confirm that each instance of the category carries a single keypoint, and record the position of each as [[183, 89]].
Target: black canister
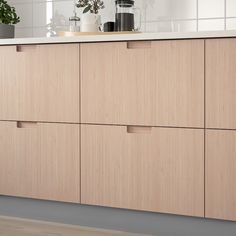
[[109, 26]]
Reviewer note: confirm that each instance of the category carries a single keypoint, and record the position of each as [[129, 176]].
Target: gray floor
[[116, 219]]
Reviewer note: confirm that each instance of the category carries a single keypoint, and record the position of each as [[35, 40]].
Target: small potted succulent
[[8, 18], [90, 20]]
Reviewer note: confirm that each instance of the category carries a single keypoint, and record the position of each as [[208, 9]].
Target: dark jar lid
[[125, 2]]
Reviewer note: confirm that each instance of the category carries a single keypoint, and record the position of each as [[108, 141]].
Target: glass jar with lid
[[74, 23], [128, 17]]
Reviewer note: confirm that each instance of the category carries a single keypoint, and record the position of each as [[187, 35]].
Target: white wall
[[157, 15]]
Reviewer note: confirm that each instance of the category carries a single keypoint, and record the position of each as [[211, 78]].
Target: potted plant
[[90, 20], [8, 18]]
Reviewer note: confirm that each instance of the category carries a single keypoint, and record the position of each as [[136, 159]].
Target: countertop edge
[[121, 37]]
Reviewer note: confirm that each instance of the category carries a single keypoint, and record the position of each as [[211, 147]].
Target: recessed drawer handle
[[25, 48], [24, 125], [139, 45], [138, 130]]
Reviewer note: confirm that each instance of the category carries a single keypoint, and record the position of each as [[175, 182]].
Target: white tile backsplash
[[157, 15], [183, 9], [231, 8], [211, 8], [213, 24], [62, 11], [23, 32], [231, 24], [40, 31], [183, 26], [40, 10], [19, 1], [156, 9], [25, 11]]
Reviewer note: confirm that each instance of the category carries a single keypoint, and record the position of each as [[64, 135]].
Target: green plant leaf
[[8, 14], [87, 9]]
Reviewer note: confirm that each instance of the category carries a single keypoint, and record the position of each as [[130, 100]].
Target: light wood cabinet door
[[40, 161], [40, 83], [221, 174], [142, 168], [221, 83], [159, 83]]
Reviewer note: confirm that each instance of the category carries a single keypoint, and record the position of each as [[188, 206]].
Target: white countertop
[[120, 37]]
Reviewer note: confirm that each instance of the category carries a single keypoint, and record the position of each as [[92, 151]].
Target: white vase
[[90, 22]]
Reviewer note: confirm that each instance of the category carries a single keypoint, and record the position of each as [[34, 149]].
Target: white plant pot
[[90, 22]]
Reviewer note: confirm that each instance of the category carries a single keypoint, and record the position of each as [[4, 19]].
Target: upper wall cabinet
[[159, 83], [39, 83], [221, 83]]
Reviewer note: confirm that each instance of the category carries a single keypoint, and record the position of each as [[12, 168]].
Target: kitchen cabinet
[[143, 168], [221, 174], [40, 83], [142, 125], [221, 83], [40, 160], [158, 83]]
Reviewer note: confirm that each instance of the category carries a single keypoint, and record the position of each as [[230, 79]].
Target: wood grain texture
[[221, 83], [159, 171], [40, 83], [159, 84], [10, 226], [41, 161], [221, 174]]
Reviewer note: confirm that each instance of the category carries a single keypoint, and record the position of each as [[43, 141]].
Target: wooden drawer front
[[152, 169], [221, 174], [40, 161], [157, 83], [39, 83], [221, 83]]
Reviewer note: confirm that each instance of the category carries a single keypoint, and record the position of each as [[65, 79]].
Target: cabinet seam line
[[80, 127], [204, 128]]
